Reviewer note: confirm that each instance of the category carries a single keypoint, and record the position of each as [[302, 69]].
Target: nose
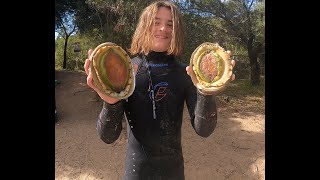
[[163, 27]]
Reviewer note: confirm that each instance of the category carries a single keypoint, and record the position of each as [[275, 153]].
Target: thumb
[[89, 53], [135, 68], [188, 70]]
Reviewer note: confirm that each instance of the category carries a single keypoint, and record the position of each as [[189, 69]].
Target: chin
[[160, 45], [160, 48]]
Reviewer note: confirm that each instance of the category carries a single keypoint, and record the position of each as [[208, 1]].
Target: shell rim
[[220, 84], [131, 73]]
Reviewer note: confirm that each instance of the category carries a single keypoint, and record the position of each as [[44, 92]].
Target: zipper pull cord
[[150, 89]]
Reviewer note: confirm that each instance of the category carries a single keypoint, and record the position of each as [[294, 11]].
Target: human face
[[161, 30]]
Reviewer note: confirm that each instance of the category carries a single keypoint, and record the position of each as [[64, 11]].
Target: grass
[[58, 68], [243, 87], [237, 88]]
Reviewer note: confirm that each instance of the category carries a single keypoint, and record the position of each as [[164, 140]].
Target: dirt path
[[236, 149]]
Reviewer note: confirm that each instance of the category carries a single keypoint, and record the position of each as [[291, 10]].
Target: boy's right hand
[[90, 83]]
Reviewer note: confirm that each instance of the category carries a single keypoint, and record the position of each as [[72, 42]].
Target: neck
[[159, 57]]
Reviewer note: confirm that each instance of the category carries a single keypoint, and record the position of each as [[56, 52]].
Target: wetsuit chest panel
[[154, 145], [169, 99]]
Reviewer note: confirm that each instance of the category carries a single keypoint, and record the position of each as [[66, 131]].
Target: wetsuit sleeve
[[202, 110], [109, 123]]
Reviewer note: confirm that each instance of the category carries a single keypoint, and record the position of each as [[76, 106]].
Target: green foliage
[[201, 32], [243, 87], [71, 56], [114, 20], [100, 21], [87, 41], [59, 54], [259, 25]]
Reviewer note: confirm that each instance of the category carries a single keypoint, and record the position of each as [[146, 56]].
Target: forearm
[[109, 123], [205, 115]]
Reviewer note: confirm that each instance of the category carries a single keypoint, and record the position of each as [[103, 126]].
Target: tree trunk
[[255, 67], [65, 52]]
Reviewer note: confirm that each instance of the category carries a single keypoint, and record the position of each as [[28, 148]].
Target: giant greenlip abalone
[[210, 68], [112, 70]]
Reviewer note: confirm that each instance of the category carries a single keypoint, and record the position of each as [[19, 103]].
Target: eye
[[157, 23]]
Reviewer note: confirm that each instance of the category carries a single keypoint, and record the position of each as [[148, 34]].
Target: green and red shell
[[210, 68], [112, 71]]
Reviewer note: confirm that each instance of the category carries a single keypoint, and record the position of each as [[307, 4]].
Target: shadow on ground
[[234, 151]]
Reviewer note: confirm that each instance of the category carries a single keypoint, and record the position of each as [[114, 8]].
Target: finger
[[91, 84], [188, 70], [233, 63], [86, 66], [233, 77], [90, 81], [135, 68], [89, 52]]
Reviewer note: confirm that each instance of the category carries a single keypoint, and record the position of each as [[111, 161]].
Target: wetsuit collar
[[159, 58]]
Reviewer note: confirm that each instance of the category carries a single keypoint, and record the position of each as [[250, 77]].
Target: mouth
[[161, 37]]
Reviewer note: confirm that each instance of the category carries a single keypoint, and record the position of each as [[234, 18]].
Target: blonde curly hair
[[141, 40]]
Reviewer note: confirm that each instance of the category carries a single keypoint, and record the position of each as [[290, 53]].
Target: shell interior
[[112, 71], [211, 67]]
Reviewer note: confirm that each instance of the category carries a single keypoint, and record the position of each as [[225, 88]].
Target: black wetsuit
[[154, 142]]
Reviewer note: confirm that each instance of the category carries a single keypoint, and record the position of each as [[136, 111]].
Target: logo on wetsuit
[[160, 90]]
